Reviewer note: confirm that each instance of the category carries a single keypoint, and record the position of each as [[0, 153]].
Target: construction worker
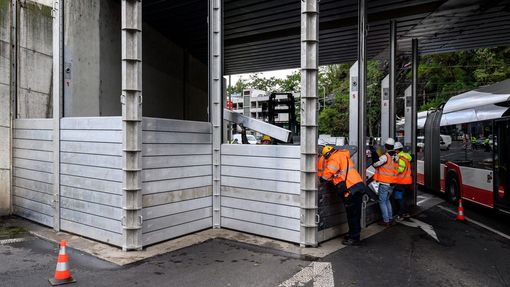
[[474, 142], [347, 182], [321, 162], [372, 151], [266, 140], [404, 180], [386, 172]]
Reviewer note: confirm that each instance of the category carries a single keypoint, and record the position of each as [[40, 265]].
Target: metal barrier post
[[309, 76], [414, 118]]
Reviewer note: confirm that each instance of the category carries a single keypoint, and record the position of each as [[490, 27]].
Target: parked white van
[[445, 143]]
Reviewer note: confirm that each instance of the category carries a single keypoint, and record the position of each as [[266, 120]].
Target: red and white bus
[[463, 147]]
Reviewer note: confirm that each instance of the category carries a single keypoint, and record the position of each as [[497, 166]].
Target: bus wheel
[[452, 190]]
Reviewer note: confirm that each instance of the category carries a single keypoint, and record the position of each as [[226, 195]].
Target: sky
[[279, 74]]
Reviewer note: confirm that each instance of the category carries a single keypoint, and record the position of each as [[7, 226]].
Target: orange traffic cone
[[460, 214], [63, 272]]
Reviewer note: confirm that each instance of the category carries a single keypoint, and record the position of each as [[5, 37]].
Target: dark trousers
[[400, 193], [353, 209]]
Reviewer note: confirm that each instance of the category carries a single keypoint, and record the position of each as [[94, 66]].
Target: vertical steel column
[[14, 55], [362, 83], [58, 54], [309, 75], [131, 100], [393, 73], [414, 116], [385, 109], [215, 105]]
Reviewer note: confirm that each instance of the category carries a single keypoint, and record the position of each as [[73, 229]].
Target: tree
[[238, 87], [445, 75], [334, 119], [290, 84]]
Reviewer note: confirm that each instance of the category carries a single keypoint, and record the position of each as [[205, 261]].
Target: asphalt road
[[467, 255], [213, 263]]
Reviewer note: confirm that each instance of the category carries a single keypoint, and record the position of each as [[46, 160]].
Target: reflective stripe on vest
[[353, 176], [387, 173], [406, 176], [320, 166]]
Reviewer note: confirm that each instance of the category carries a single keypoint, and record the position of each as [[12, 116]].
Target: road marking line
[[323, 275], [421, 201], [478, 223], [12, 240], [320, 272], [299, 279], [429, 229]]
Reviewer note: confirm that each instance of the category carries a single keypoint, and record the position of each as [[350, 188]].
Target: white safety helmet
[[398, 145], [390, 141]]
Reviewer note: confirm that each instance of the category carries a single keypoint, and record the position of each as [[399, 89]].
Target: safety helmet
[[398, 145], [265, 138], [326, 150], [390, 141]]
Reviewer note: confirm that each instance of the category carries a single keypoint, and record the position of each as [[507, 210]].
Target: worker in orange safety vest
[[340, 171], [386, 174]]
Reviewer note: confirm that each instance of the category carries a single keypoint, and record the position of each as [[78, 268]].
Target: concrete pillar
[[408, 106], [309, 76], [7, 94], [362, 87], [385, 109], [353, 109], [131, 100], [215, 104]]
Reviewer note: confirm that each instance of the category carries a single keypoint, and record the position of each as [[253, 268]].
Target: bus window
[[454, 145], [420, 144], [471, 144]]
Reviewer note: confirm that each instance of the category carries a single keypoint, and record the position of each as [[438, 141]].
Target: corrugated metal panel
[[260, 190], [33, 165], [176, 178], [264, 35], [91, 177]]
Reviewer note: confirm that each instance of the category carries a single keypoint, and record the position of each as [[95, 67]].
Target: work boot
[[385, 224], [351, 242]]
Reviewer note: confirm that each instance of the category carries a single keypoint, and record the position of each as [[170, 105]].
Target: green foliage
[[445, 75], [238, 87], [441, 76], [290, 84], [334, 79]]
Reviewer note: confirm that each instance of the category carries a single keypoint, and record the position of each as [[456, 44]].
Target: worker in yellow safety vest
[[346, 181], [404, 181], [386, 173]]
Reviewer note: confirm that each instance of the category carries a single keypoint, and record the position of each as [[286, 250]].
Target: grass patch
[[11, 231]]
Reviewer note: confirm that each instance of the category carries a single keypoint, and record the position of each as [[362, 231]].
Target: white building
[[252, 101]]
